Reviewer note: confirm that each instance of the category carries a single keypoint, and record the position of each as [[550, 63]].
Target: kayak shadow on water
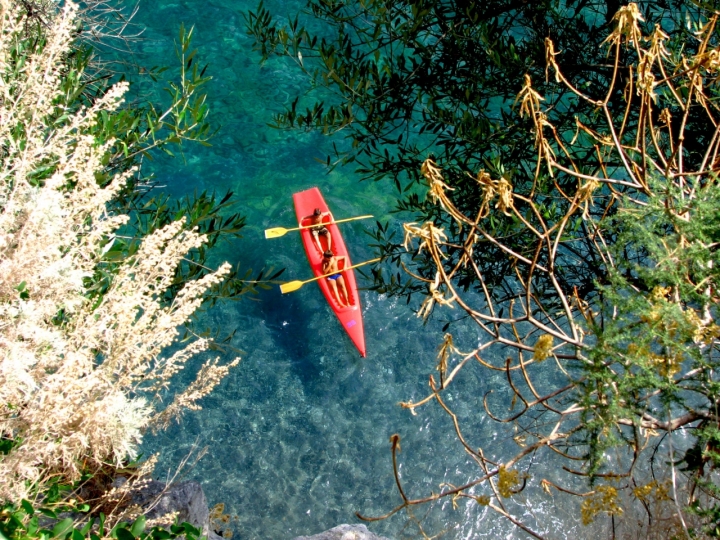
[[286, 316], [293, 319]]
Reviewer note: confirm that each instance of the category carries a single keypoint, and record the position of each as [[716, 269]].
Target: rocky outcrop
[[189, 501], [186, 498], [344, 532]]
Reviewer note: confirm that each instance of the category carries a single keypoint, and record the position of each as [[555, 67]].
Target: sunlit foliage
[[84, 340]]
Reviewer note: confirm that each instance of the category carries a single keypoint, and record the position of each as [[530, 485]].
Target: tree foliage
[[572, 170], [438, 78], [637, 361]]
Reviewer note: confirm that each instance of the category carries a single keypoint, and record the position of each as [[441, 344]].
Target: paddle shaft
[[284, 230], [292, 286], [331, 222], [341, 270]]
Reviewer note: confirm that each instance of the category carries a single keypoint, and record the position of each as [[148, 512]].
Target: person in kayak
[[335, 280], [316, 219]]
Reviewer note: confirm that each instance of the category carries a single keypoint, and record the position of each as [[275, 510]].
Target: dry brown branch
[[641, 151]]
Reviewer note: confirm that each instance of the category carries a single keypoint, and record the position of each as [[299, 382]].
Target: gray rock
[[344, 532], [186, 498]]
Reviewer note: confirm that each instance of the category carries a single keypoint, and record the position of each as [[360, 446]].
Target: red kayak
[[350, 317]]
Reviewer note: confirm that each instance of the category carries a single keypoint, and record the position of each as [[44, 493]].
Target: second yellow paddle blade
[[290, 286], [275, 232]]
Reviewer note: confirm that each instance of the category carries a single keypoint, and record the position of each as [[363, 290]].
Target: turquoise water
[[298, 433]]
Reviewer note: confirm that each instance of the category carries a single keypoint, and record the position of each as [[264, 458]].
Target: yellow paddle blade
[[291, 286], [275, 232]]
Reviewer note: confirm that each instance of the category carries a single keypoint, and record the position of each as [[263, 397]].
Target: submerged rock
[[344, 532]]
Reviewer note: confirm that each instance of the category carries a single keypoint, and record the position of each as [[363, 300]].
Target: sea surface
[[298, 433]]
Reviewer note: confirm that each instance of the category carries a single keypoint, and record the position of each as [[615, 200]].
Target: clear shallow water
[[298, 433]]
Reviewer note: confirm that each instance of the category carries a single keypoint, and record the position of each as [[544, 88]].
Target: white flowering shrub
[[79, 378]]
